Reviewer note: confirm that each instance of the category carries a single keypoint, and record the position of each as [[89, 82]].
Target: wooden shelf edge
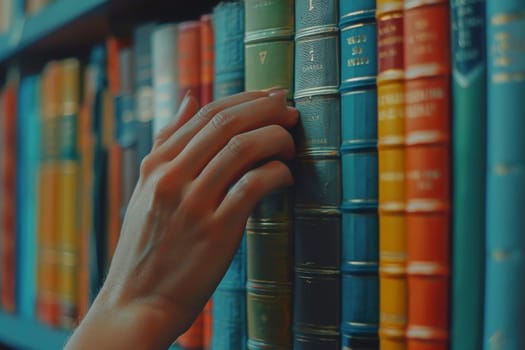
[[27, 31]]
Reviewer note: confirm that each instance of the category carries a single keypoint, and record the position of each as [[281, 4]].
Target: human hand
[[184, 221]]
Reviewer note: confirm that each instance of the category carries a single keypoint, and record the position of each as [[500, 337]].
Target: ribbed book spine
[[505, 280], [469, 170], [229, 299], [28, 140], [359, 171], [48, 215], [317, 217], [269, 54], [165, 78], [144, 98], [68, 227], [427, 171], [391, 153]]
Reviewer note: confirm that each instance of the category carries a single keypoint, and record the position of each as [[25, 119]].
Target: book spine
[[8, 215], [391, 154], [48, 215], [229, 299], [317, 216], [189, 59], [505, 247], [68, 228], [269, 55], [28, 140], [469, 171], [427, 171], [206, 78], [144, 97], [359, 169], [165, 78]]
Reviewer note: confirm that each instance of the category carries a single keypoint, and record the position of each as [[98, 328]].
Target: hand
[[186, 217]]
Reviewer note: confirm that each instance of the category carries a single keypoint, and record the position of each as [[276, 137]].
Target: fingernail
[[279, 92], [185, 100]]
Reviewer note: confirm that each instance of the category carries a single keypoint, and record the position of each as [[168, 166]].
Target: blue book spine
[[28, 138], [229, 300], [317, 215], [144, 95], [469, 168], [165, 79], [505, 266], [359, 166]]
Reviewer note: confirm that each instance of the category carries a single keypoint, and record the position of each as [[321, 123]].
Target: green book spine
[[469, 128], [269, 55]]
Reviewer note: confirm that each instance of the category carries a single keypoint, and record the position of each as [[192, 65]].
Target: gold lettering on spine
[[262, 3], [313, 66], [357, 58], [422, 103], [262, 56], [507, 49]]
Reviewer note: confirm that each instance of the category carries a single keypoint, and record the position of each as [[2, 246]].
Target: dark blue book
[[317, 215], [505, 264], [359, 167]]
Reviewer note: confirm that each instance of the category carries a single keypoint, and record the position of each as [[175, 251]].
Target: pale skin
[[185, 220]]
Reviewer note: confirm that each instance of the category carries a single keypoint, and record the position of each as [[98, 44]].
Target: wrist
[[112, 324]]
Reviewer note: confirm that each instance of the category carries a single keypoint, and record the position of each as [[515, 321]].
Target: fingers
[[232, 121], [180, 138], [249, 190], [240, 154], [189, 106]]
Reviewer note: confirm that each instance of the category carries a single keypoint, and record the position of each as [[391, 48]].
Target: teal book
[[317, 215], [469, 162], [505, 219], [28, 140], [229, 299], [144, 96]]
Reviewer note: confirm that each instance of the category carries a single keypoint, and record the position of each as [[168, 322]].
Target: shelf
[[29, 334], [27, 31]]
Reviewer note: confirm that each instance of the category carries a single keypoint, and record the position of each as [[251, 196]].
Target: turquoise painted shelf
[[24, 334], [27, 31]]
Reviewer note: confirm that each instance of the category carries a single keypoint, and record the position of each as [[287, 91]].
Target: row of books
[[12, 11], [403, 227]]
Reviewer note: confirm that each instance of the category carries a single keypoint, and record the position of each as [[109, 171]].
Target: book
[[9, 215], [269, 55], [317, 216], [427, 171], [68, 195], [28, 147], [189, 59], [144, 98], [391, 180], [359, 173], [505, 191], [229, 299], [48, 199], [165, 78], [468, 59]]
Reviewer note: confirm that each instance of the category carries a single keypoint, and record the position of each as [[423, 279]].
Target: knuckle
[[238, 145], [207, 111], [222, 119]]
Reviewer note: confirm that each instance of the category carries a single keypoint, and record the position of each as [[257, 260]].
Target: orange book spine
[[48, 215], [8, 202], [207, 74], [391, 152], [189, 58], [113, 47], [427, 171]]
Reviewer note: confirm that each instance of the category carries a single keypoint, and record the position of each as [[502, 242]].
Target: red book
[[113, 47], [189, 60], [427, 172], [8, 203]]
